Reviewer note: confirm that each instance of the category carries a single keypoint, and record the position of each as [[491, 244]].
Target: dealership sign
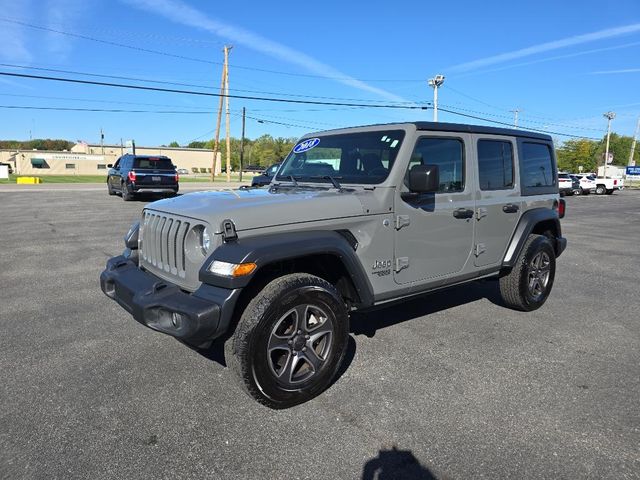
[[635, 171]]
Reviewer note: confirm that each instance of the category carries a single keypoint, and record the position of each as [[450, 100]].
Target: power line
[[510, 125], [207, 94], [107, 110], [182, 84]]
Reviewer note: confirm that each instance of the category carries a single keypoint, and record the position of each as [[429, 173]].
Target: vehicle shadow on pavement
[[396, 464], [370, 321]]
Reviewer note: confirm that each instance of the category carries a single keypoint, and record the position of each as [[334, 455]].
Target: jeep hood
[[257, 208]]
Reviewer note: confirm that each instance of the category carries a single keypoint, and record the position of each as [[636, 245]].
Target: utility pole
[[632, 162], [515, 117], [102, 140], [244, 111], [435, 83], [609, 116], [216, 144], [121, 147], [228, 121]]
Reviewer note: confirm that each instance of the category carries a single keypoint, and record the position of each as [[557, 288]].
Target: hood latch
[[229, 233]]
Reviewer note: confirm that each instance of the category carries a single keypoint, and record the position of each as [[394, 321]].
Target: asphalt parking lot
[[447, 386]]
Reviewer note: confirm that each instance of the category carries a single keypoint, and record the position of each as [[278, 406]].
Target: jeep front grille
[[163, 242]]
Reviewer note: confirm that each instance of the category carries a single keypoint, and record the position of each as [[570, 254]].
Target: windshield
[[365, 157]]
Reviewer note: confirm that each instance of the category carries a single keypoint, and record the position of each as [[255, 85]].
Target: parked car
[[587, 183], [134, 174], [182, 171], [565, 184], [359, 218], [575, 185], [265, 177]]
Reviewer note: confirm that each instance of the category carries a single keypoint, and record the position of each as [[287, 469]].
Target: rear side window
[[495, 165], [153, 163], [536, 165], [447, 154]]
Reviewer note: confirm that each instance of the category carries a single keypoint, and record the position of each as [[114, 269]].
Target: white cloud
[[610, 72], [180, 12], [63, 14], [13, 40], [546, 47]]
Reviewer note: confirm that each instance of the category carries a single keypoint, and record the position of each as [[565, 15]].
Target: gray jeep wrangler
[[354, 218]]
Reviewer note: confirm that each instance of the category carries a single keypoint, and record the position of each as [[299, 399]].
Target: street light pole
[[435, 83], [632, 162], [609, 116]]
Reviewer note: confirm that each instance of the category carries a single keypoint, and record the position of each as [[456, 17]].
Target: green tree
[[575, 153], [174, 144]]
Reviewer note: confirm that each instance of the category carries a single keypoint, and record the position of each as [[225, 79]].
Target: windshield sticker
[[306, 145]]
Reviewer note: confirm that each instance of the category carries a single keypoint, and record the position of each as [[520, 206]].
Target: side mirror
[[110, 165], [424, 179]]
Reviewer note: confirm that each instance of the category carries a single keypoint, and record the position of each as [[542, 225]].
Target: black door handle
[[510, 208], [463, 213]]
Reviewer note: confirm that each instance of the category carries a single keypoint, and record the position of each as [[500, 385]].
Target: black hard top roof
[[464, 128]]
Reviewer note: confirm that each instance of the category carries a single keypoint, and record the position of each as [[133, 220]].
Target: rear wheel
[[610, 191], [127, 195], [290, 341], [600, 190], [529, 283]]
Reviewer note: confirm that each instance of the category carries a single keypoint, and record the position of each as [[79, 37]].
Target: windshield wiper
[[333, 180], [293, 179]]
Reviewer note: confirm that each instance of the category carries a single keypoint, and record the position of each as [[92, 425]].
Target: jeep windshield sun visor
[[362, 158]]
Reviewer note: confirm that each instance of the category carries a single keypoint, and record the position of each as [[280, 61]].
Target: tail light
[[177, 178], [562, 207], [132, 176], [615, 182]]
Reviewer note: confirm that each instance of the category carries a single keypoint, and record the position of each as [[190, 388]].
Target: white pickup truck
[[608, 185]]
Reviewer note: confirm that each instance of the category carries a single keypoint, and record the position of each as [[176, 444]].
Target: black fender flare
[[526, 225], [266, 249]]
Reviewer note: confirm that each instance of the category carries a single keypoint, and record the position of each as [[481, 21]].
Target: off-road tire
[[247, 351], [126, 193], [515, 286], [110, 189], [601, 190]]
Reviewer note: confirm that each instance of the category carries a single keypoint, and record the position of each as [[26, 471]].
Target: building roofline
[[92, 145]]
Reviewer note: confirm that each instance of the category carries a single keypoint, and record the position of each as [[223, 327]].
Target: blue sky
[[562, 64]]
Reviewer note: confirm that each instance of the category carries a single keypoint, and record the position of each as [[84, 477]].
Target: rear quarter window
[[537, 168]]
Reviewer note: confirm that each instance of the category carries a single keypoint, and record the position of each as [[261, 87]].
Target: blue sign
[[306, 145], [633, 171]]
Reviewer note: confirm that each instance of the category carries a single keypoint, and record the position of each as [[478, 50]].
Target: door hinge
[[402, 263], [402, 221], [481, 212], [480, 249]]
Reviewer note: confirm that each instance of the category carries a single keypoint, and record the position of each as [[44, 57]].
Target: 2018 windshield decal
[[306, 145]]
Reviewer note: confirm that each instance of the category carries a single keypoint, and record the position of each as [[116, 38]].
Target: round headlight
[[205, 239]]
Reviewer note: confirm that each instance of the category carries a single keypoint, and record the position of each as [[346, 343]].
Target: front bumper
[[195, 318]]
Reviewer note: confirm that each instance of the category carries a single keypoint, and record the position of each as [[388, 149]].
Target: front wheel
[[600, 190], [529, 283], [290, 341], [110, 189]]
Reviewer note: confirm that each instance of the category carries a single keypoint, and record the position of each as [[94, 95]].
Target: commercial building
[[87, 159]]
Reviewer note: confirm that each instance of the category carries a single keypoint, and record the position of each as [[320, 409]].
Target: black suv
[[265, 177], [133, 174]]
